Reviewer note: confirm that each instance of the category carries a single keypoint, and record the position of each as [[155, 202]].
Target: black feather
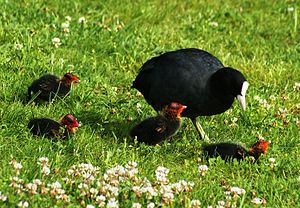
[[47, 87], [155, 129], [192, 77], [47, 127]]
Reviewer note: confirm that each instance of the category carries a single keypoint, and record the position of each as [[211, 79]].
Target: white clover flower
[[70, 172], [93, 191], [227, 192], [2, 197], [149, 191], [290, 9], [112, 203], [214, 24], [56, 42], [131, 164], [256, 200], [65, 25], [233, 122], [55, 185], [45, 170], [63, 197], [90, 206], [88, 176], [138, 106], [136, 205], [16, 165], [151, 205], [236, 190], [132, 173], [18, 46], [83, 186], [38, 182], [297, 86], [31, 187], [195, 203], [23, 204], [202, 169], [45, 160], [272, 160], [221, 203], [162, 174], [113, 190], [168, 196], [81, 20], [182, 186], [15, 178], [100, 199], [68, 18]]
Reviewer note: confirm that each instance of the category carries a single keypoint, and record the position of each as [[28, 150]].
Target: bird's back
[[227, 151], [155, 129], [44, 126], [178, 76], [48, 86]]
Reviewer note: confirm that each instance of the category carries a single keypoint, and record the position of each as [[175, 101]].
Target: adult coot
[[155, 129], [194, 78]]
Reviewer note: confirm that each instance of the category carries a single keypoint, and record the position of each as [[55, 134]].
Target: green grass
[[259, 38]]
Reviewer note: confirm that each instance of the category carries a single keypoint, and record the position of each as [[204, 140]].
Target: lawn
[[105, 43]]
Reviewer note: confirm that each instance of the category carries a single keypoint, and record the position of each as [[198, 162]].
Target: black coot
[[155, 129], [194, 78]]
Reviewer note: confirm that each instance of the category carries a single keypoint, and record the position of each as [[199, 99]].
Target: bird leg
[[199, 129]]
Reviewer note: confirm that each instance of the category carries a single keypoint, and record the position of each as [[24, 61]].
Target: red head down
[[70, 123], [174, 109], [68, 78], [260, 147]]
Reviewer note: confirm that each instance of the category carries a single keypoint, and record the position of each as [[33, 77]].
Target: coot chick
[[67, 126], [155, 129], [48, 86], [194, 78], [229, 151]]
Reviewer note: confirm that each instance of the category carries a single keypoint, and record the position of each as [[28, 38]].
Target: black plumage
[[46, 127], [229, 151], [156, 129], [50, 128], [194, 78], [48, 86]]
